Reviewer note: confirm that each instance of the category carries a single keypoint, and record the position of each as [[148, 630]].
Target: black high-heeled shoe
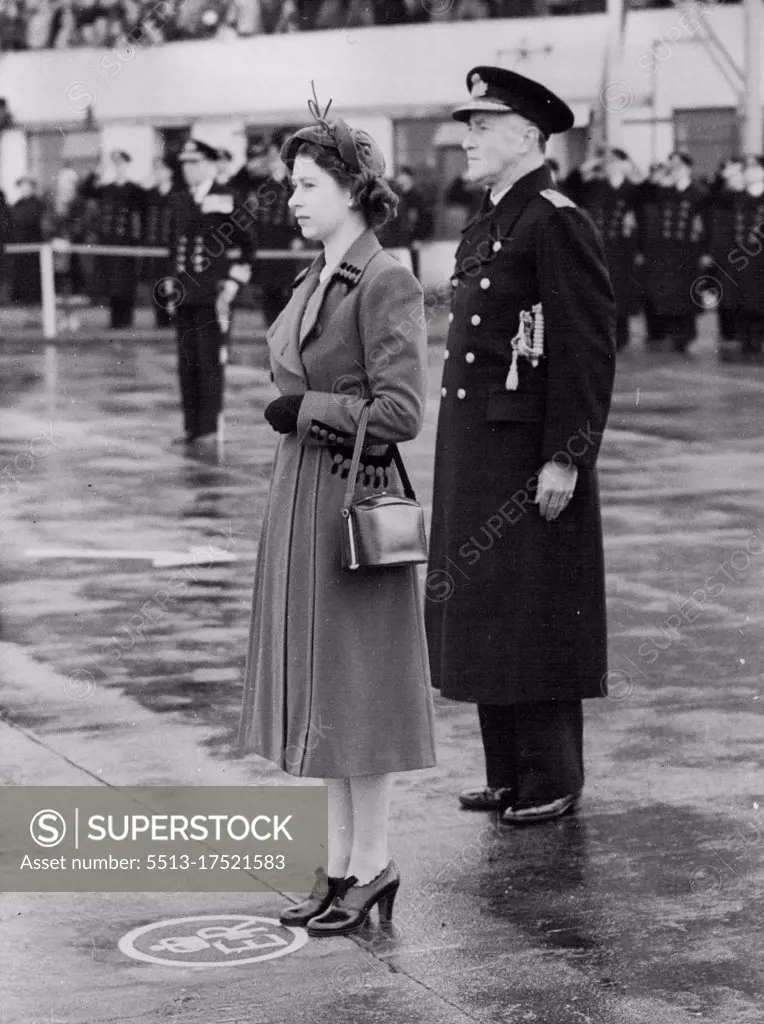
[[350, 907], [324, 891]]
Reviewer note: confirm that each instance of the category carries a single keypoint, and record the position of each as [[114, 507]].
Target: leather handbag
[[383, 529]]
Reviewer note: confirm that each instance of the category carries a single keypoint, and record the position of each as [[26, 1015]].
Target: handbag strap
[[360, 437]]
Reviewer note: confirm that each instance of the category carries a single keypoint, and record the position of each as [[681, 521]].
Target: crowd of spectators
[[59, 24]]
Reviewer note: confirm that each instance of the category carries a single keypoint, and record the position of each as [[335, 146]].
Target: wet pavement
[[125, 670]]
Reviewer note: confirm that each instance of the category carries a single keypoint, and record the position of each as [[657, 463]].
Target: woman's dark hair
[[370, 192]]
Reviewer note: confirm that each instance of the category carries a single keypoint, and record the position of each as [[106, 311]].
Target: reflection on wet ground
[[645, 907]]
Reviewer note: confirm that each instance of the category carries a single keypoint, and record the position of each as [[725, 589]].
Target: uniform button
[[454, 282], [496, 246], [485, 283], [446, 354], [332, 437], [461, 393], [322, 434], [475, 321], [314, 430], [470, 357], [443, 392], [450, 318]]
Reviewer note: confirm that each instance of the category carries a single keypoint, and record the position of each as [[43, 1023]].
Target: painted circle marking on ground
[[215, 940]]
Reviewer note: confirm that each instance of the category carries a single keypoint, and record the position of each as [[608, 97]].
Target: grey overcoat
[[337, 681]]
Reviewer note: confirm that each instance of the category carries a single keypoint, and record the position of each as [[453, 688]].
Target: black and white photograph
[[381, 511]]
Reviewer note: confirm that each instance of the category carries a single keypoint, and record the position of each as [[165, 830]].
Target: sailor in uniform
[[212, 256]]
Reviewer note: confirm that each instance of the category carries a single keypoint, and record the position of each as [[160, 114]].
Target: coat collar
[[348, 271], [299, 317], [496, 222]]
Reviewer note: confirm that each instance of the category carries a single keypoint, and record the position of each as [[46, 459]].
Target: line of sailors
[[679, 248], [128, 215]]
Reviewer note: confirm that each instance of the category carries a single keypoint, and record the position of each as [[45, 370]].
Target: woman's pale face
[[320, 205]]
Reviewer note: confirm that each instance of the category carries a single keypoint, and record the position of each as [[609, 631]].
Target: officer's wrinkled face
[[495, 143], [321, 206], [753, 173], [162, 173], [732, 173], [196, 172]]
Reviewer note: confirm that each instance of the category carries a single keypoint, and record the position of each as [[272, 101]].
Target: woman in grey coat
[[337, 679]]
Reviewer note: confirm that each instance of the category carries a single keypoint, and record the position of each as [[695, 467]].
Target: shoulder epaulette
[[557, 198]]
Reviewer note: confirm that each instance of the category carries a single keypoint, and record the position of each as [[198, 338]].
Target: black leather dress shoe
[[489, 798], [542, 812], [324, 891]]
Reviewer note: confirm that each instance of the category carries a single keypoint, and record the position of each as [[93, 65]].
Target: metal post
[[613, 59], [752, 105], [48, 282]]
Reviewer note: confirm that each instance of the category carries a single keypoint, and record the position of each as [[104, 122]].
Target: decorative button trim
[[475, 321], [443, 392], [450, 318], [470, 357], [454, 282], [496, 246], [485, 283], [461, 393], [446, 354]]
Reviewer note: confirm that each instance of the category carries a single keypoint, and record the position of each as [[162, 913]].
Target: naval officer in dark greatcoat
[[515, 587]]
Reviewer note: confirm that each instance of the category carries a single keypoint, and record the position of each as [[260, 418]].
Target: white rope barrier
[[47, 250]]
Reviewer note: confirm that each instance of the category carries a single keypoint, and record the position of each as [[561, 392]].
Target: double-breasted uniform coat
[[266, 200], [614, 212], [119, 222], [516, 603], [671, 241], [27, 220], [337, 682], [719, 216], [745, 257], [157, 231]]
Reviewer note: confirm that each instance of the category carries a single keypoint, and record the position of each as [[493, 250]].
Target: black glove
[[282, 413]]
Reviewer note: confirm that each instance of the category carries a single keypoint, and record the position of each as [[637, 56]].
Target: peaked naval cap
[[195, 150], [500, 91], [356, 148]]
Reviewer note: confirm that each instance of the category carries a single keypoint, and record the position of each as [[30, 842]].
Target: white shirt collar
[[496, 197], [201, 190]]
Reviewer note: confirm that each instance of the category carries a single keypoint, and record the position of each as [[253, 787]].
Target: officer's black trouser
[[680, 327], [656, 330], [161, 317], [201, 372], [535, 747], [621, 329], [728, 322], [751, 331], [122, 312], [275, 297]]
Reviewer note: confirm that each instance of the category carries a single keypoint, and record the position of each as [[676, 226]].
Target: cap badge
[[479, 87]]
